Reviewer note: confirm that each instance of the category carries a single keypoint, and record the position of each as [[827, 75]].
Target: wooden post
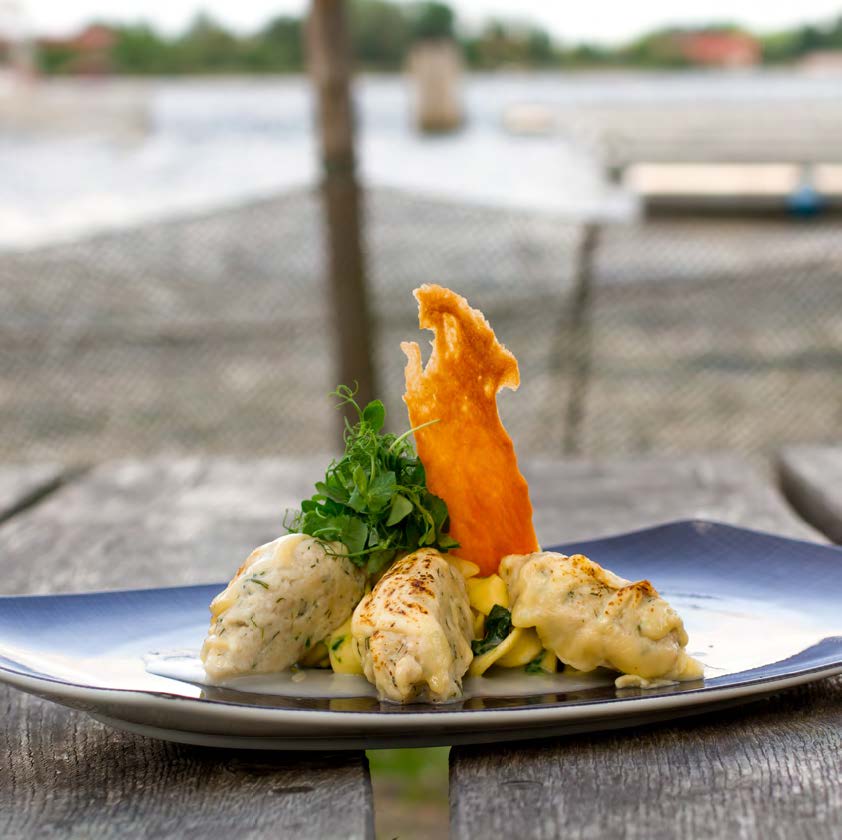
[[330, 69], [581, 353], [436, 71]]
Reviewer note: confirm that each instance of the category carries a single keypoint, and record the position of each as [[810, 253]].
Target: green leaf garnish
[[375, 415], [374, 499], [536, 665], [498, 625], [401, 507]]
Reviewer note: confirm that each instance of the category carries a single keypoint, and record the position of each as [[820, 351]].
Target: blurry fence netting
[[211, 333]]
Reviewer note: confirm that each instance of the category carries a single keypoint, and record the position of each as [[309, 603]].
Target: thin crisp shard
[[468, 455]]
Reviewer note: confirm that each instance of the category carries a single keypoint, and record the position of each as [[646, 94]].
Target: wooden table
[[771, 769], [158, 523]]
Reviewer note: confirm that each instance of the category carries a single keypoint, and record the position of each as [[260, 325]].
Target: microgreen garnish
[[498, 625], [374, 499]]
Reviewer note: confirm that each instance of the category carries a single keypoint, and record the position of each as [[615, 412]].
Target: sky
[[606, 21]]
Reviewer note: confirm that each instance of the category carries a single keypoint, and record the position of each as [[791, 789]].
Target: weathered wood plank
[[20, 484], [192, 520], [769, 770], [811, 478], [66, 776], [162, 522], [134, 524]]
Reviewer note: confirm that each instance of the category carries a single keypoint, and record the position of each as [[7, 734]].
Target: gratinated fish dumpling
[[413, 630], [591, 618], [286, 597]]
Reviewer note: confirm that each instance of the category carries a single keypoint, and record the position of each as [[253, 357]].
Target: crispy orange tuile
[[468, 456]]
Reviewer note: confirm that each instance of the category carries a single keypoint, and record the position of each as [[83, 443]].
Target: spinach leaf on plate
[[498, 625]]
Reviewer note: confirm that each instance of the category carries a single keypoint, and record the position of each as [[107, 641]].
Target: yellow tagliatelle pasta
[[523, 651], [520, 648], [344, 658], [465, 567], [484, 661], [485, 593]]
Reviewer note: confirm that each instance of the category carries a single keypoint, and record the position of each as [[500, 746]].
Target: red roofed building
[[719, 49], [94, 38], [88, 53]]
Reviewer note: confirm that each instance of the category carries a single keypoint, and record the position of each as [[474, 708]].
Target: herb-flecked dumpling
[[288, 596], [590, 618], [413, 631]]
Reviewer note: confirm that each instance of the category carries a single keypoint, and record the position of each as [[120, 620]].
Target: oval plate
[[762, 612]]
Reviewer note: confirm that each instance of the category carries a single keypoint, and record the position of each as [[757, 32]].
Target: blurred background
[[195, 248]]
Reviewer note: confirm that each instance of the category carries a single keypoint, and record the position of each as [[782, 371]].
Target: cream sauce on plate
[[312, 682]]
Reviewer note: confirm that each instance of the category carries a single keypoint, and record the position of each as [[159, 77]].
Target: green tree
[[379, 33], [540, 49], [207, 47], [501, 43], [791, 44], [587, 55], [780, 47], [431, 20], [138, 48], [655, 49], [809, 38], [55, 59], [492, 48], [277, 47]]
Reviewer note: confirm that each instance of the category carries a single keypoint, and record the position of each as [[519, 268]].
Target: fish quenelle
[[591, 618], [413, 631], [288, 596]]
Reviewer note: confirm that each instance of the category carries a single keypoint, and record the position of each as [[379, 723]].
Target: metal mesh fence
[[212, 333]]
